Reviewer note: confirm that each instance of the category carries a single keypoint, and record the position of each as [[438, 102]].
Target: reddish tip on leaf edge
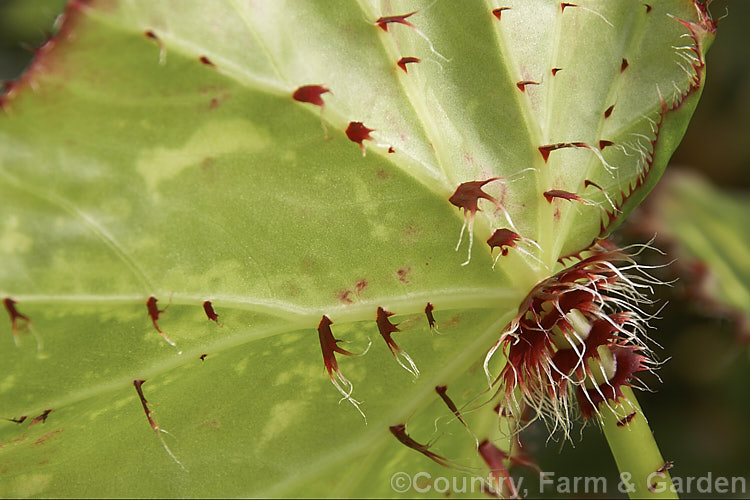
[[498, 13], [358, 133], [42, 61], [503, 239], [311, 94], [407, 60]]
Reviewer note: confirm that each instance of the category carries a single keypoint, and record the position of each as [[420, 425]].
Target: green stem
[[635, 451]]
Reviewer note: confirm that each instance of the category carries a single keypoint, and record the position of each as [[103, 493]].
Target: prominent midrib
[[363, 310], [304, 319]]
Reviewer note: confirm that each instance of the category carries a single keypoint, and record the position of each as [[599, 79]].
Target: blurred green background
[[700, 412]]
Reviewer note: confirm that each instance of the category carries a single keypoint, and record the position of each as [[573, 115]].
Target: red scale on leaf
[[494, 458], [548, 148], [399, 431], [138, 384], [407, 60], [523, 83], [503, 239], [10, 307], [154, 312], [627, 419], [384, 21], [442, 391], [357, 132], [329, 347], [430, 318], [310, 94], [41, 418], [205, 60], [566, 4], [386, 329], [208, 308], [466, 197], [498, 13], [564, 195]]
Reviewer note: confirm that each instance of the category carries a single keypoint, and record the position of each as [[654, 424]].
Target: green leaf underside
[[123, 178]]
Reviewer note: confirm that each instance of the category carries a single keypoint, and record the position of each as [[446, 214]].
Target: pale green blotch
[[283, 415], [31, 484], [12, 240], [7, 383], [241, 366], [211, 140], [226, 274], [302, 371], [120, 403], [97, 413], [380, 232]]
